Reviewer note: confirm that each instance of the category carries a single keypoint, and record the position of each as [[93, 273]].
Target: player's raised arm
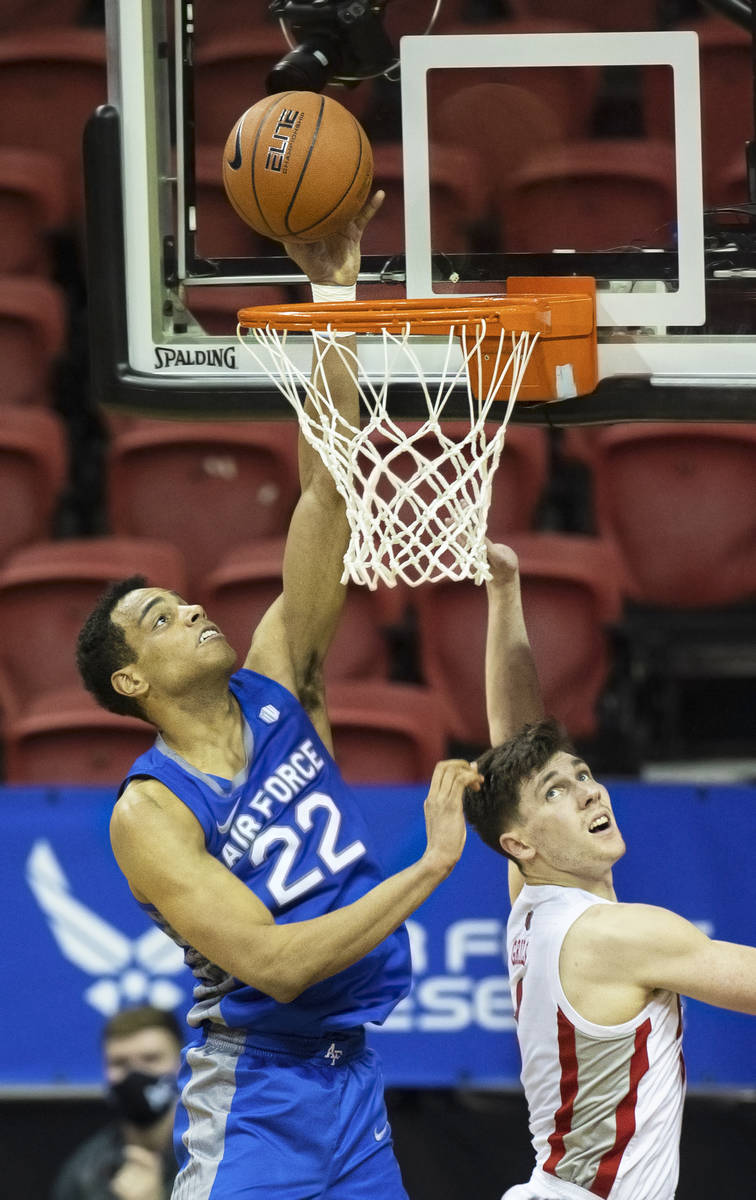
[[291, 641], [513, 693], [161, 850]]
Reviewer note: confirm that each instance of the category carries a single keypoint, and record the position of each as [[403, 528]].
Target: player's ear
[[512, 844], [127, 681]]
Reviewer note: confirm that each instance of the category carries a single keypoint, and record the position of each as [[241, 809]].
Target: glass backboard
[[508, 147]]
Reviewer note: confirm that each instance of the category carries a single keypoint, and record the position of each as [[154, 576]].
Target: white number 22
[[282, 888]]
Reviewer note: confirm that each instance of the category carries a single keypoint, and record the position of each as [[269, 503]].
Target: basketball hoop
[[417, 500]]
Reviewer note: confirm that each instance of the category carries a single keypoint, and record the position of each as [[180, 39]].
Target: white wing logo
[[129, 972]]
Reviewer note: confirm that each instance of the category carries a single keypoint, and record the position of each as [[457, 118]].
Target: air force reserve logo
[[122, 971]]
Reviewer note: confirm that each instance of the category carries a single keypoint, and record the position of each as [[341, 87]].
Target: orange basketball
[[297, 166]]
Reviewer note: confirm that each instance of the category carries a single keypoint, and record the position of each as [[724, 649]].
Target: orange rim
[[521, 314], [561, 311]]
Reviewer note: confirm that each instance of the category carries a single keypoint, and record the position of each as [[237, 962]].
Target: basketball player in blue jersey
[[238, 836]]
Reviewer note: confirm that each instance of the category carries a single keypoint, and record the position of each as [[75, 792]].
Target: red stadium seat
[[620, 15], [221, 233], [457, 197], [51, 81], [524, 123], [385, 732], [731, 184], [32, 474], [66, 738], [570, 596], [216, 308], [229, 77], [726, 67], [16, 15], [33, 203], [247, 581], [48, 589], [33, 331], [232, 18], [592, 194], [404, 18], [205, 486], [677, 501], [571, 91]]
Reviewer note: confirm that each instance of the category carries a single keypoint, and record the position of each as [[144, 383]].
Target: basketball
[[297, 166]]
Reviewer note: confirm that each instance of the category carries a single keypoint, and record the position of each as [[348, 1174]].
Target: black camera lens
[[306, 68]]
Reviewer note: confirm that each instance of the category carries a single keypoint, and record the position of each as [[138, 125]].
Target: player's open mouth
[[207, 634], [600, 824]]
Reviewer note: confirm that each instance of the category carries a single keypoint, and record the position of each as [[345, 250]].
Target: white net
[[416, 499]]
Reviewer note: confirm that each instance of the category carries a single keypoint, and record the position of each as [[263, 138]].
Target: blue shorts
[[291, 1117]]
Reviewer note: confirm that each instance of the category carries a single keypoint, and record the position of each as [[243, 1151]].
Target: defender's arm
[[513, 694]]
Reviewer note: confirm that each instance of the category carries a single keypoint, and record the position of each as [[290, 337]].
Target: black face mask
[[143, 1099]]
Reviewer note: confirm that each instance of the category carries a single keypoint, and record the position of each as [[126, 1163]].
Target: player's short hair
[[493, 809], [102, 648], [145, 1016]]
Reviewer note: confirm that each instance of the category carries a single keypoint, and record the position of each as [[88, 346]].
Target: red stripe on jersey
[[518, 999], [609, 1165], [568, 1086]]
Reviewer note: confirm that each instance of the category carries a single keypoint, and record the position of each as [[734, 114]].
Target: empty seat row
[[34, 205], [208, 488], [383, 733], [52, 79], [235, 16], [584, 194], [17, 15], [33, 338], [393, 730], [674, 499]]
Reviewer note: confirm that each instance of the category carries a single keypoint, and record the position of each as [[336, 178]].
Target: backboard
[[508, 148]]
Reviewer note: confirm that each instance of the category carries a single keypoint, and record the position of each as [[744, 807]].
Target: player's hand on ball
[[335, 259], [444, 819]]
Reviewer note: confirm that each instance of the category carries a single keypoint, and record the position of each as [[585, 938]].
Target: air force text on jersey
[[281, 787]]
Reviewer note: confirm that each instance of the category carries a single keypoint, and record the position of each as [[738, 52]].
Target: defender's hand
[[335, 259], [444, 820], [503, 562]]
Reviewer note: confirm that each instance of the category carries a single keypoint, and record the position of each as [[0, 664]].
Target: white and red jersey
[[605, 1101]]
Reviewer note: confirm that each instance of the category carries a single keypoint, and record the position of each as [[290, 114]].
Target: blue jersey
[[291, 830]]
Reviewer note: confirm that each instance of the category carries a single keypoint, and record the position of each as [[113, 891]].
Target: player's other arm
[[291, 641], [513, 694], [159, 846], [651, 948]]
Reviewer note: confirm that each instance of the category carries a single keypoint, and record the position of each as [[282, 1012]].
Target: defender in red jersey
[[595, 983]]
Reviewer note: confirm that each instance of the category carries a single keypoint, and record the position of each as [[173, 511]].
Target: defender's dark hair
[[145, 1016], [102, 648], [496, 807]]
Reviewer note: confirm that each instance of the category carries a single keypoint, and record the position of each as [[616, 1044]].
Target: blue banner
[[78, 947]]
